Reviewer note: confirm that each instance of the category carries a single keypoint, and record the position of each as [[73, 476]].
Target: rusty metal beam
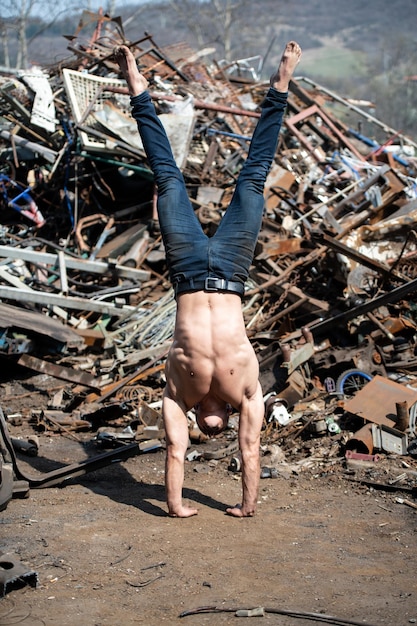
[[392, 296], [58, 476], [59, 371], [303, 116], [366, 261]]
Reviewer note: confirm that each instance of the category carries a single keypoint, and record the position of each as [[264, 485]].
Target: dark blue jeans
[[192, 257]]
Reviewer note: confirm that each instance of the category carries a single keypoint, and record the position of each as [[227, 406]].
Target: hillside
[[367, 27], [361, 49]]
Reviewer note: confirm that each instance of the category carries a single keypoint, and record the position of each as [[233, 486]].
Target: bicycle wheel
[[351, 381]]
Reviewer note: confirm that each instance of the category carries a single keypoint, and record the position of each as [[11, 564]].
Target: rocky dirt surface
[[325, 546]]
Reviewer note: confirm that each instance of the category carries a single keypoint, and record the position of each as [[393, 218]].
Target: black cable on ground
[[318, 617]]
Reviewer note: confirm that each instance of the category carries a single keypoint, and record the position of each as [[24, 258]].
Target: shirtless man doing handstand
[[211, 365]]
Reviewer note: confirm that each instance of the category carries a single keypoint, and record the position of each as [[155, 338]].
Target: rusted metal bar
[[353, 254], [60, 475], [386, 298], [113, 388], [292, 122], [198, 104], [275, 280], [59, 371], [275, 318]]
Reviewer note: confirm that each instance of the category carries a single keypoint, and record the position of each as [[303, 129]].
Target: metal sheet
[[376, 401], [23, 319]]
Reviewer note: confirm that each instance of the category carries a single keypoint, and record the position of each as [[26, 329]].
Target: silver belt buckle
[[211, 284]]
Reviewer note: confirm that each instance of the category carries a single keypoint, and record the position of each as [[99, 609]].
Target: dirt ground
[[325, 546]]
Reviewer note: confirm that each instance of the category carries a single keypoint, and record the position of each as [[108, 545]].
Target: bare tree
[[213, 21], [4, 34], [16, 18], [18, 13], [393, 83]]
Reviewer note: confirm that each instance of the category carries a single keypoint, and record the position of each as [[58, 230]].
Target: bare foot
[[183, 511], [136, 82], [289, 61]]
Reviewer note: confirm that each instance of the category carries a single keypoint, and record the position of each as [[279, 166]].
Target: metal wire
[[152, 326]]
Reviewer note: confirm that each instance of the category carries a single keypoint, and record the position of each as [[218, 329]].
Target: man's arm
[[176, 435], [250, 425]]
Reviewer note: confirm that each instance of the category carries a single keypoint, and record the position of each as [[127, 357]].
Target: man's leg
[[178, 222], [152, 132], [238, 231]]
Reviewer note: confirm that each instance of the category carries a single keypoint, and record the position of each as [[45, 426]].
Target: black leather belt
[[210, 284]]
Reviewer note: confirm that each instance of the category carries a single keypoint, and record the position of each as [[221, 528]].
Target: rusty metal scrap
[[332, 288], [14, 574]]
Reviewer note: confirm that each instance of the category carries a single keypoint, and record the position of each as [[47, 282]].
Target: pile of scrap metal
[[331, 300]]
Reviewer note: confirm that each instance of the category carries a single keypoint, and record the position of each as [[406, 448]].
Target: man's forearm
[[250, 480], [174, 479]]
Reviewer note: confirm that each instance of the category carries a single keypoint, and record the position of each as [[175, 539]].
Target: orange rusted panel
[[376, 402]]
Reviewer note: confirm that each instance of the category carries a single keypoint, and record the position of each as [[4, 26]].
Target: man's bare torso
[[210, 352]]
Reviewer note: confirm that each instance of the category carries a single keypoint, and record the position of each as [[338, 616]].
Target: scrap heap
[[84, 289]]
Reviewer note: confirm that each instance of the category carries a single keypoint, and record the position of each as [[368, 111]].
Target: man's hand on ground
[[239, 511], [183, 511]]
